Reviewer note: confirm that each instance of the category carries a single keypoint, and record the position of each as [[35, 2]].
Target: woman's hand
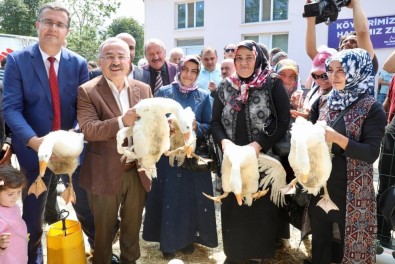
[[333, 136], [256, 146], [4, 240], [194, 125], [304, 114], [225, 143]]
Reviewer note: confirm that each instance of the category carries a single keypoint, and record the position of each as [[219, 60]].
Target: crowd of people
[[249, 99]]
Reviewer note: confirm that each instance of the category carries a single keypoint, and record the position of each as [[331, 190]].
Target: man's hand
[[212, 86], [4, 240], [35, 142], [130, 117]]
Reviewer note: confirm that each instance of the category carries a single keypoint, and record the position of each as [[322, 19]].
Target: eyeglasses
[[323, 76], [49, 24], [229, 50], [113, 58]]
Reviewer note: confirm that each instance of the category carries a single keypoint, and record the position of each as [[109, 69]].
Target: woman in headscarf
[[177, 214], [243, 114], [320, 86], [348, 235]]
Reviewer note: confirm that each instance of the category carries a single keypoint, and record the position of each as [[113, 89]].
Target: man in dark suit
[[104, 106], [5, 140], [134, 72], [155, 53], [33, 107]]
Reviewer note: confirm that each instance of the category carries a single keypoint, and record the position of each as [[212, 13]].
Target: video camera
[[324, 10]]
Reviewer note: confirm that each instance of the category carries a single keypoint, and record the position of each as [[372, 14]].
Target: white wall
[[223, 23]]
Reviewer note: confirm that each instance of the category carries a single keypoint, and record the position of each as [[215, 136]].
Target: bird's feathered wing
[[275, 177]]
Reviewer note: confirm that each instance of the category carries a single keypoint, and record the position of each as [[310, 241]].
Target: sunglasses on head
[[323, 76], [229, 50]]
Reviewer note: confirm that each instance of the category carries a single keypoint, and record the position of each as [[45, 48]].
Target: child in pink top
[[13, 230]]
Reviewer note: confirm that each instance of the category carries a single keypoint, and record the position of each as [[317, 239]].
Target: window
[[265, 10], [270, 40], [190, 46], [190, 15]]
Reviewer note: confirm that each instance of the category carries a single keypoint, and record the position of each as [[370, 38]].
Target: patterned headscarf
[[177, 78], [288, 64], [256, 80], [358, 68]]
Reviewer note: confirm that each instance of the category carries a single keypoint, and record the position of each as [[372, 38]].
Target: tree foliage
[[131, 26], [87, 27], [18, 16], [87, 31]]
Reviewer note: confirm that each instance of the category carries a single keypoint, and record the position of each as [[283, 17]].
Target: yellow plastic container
[[65, 246]]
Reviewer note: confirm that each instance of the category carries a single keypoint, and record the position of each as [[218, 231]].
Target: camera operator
[[358, 39], [389, 64]]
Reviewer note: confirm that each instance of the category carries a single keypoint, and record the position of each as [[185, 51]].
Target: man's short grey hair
[[116, 41], [227, 60], [125, 35], [54, 6], [154, 41], [177, 50]]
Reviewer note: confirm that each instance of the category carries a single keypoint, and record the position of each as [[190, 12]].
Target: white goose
[[311, 160], [240, 175], [151, 132], [65, 148]]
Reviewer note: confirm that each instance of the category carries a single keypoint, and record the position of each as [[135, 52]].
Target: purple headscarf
[[177, 78]]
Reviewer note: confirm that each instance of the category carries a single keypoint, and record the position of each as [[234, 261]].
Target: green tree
[[87, 31], [131, 26], [18, 16]]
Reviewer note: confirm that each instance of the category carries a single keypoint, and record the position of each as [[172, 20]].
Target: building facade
[[191, 24]]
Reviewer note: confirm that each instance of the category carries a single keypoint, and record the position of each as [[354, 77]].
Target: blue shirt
[[206, 76]]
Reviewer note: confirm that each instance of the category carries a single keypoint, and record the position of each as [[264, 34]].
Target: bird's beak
[[239, 199], [43, 167], [304, 178], [187, 135]]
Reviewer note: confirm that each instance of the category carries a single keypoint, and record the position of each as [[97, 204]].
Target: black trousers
[[51, 214], [386, 179]]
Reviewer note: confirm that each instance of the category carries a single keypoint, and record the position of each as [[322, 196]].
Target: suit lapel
[[39, 68], [108, 97], [64, 68], [134, 93]]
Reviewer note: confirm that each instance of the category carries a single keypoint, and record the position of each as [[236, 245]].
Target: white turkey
[[241, 171], [151, 132], [59, 151], [311, 160], [178, 149]]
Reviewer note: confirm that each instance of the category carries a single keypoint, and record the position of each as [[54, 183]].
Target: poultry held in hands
[[151, 132], [178, 149], [311, 160], [241, 172], [59, 151]]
